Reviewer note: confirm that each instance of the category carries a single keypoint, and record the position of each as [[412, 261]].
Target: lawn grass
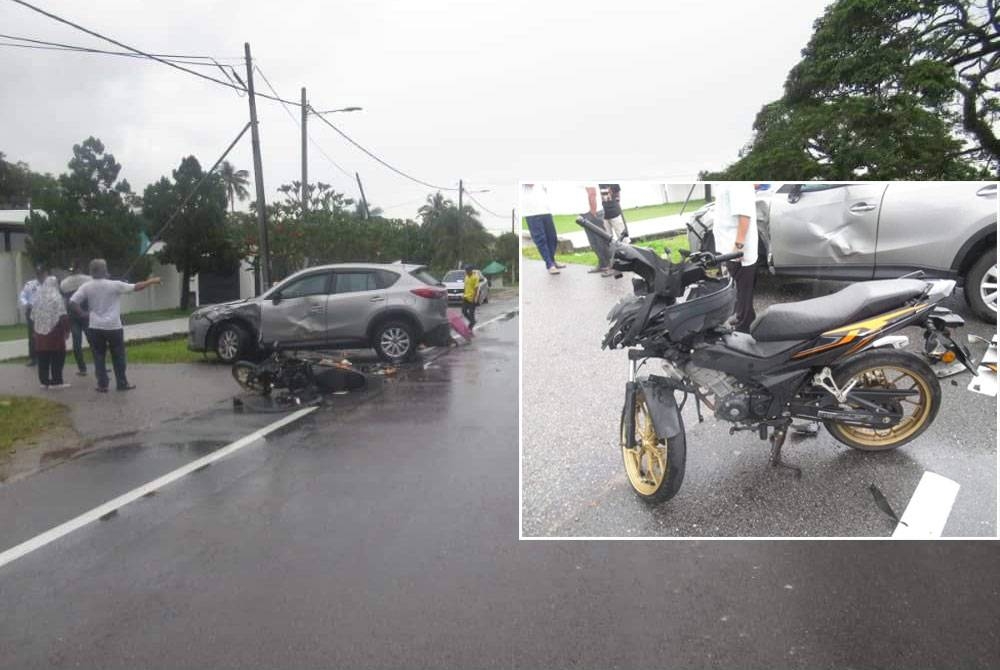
[[162, 350], [566, 223], [20, 331], [671, 244], [24, 418]]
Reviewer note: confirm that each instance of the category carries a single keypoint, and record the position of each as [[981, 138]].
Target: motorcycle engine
[[733, 402]]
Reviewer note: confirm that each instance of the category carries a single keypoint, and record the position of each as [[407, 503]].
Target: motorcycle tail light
[[429, 293]]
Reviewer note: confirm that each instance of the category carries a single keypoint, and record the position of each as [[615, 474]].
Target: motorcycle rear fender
[[662, 408]]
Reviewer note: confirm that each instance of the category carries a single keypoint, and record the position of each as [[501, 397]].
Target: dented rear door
[[829, 230]]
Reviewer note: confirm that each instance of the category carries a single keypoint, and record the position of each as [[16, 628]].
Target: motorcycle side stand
[[777, 441]]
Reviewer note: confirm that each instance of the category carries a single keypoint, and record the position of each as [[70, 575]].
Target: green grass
[[662, 245], [20, 331], [566, 223], [25, 418], [164, 350]]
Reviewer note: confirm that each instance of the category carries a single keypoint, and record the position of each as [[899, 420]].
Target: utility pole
[[513, 230], [364, 202], [305, 154], [458, 241], [258, 177]]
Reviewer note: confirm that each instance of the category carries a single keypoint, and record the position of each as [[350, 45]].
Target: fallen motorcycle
[[297, 376], [832, 360]]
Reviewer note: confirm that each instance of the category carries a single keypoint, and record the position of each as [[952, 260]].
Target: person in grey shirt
[[78, 325], [105, 331]]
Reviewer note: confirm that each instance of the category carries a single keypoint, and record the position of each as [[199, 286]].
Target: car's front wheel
[[232, 342], [981, 287], [395, 342]]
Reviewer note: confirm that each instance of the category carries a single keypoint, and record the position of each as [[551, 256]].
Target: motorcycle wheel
[[655, 465], [889, 370], [248, 377]]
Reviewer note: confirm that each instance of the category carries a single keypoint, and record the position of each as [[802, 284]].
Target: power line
[[143, 53], [483, 207], [379, 160], [101, 52], [190, 58], [297, 125]]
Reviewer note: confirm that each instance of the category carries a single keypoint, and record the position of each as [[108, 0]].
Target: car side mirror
[[276, 298], [795, 194]]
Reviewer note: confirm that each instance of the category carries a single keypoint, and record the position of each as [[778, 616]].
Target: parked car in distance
[[390, 308], [454, 282], [879, 230]]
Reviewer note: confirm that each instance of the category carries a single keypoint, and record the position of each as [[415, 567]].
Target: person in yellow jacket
[[469, 298]]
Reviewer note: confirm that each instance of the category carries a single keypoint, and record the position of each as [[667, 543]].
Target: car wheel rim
[[988, 288], [229, 344], [395, 342]]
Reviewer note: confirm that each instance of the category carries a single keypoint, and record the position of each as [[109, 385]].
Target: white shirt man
[[735, 230], [733, 201]]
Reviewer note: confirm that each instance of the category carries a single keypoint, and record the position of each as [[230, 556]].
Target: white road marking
[[61, 530], [928, 509]]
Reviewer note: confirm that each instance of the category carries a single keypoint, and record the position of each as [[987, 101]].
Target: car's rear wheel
[[232, 342], [981, 287], [395, 341]]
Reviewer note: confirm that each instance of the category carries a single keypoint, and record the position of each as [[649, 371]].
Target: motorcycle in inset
[[832, 359]]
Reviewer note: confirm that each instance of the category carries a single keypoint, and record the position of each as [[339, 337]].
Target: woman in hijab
[[51, 324]]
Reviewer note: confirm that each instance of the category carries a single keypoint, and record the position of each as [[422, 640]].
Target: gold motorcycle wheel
[[654, 466], [890, 371]]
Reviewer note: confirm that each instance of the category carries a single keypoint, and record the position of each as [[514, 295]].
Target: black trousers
[[744, 278], [50, 367], [469, 312], [77, 326], [102, 341]]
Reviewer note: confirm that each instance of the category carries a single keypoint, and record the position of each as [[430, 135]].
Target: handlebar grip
[[722, 258], [583, 222]]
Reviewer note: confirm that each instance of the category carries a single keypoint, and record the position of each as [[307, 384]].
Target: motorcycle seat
[[808, 318]]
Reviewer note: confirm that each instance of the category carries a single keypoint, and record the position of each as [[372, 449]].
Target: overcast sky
[[490, 92]]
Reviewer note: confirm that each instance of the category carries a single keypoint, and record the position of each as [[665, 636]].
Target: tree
[[236, 182], [196, 240], [886, 89], [454, 240], [507, 250], [87, 213]]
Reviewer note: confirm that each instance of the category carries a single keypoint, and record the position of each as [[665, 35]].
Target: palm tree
[[236, 182]]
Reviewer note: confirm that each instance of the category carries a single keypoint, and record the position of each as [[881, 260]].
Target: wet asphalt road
[[574, 482], [383, 534]]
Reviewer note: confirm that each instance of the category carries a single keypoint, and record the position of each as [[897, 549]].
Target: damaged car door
[[826, 229], [296, 313], [356, 299]]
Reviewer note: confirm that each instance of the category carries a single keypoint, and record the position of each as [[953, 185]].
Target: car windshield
[[454, 275], [426, 277]]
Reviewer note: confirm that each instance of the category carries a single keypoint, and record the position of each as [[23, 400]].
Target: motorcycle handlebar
[[592, 227], [722, 258]]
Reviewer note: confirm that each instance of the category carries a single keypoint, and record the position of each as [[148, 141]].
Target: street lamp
[[306, 110], [342, 109]]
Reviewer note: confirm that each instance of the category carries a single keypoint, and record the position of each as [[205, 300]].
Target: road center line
[[927, 512], [61, 530]]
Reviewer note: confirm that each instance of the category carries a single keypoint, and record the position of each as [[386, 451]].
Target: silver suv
[[390, 308], [878, 230]]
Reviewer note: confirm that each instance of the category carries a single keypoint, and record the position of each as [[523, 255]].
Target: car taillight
[[429, 293]]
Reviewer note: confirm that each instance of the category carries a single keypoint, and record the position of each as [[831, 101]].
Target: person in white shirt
[[26, 299], [735, 229], [105, 331], [535, 209]]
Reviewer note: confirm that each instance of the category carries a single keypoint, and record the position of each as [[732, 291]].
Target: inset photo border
[[758, 360]]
